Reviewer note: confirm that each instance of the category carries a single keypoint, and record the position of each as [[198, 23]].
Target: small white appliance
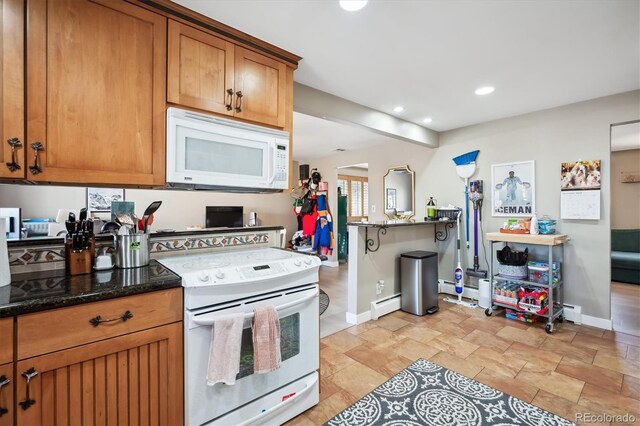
[[220, 283], [207, 152]]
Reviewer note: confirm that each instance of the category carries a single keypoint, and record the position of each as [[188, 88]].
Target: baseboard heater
[[385, 306]]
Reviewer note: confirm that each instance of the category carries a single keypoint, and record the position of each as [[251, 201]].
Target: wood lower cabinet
[[12, 89], [96, 92], [7, 410], [209, 73], [127, 380]]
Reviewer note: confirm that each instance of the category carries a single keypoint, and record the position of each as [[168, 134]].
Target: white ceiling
[[430, 56], [625, 136], [314, 137]]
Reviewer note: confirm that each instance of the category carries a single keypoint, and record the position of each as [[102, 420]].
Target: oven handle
[[286, 402], [209, 321]]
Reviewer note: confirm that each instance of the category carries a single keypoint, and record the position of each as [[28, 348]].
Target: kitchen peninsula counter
[[38, 291], [390, 223]]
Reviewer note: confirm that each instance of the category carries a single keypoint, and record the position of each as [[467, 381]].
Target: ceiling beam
[[310, 101]]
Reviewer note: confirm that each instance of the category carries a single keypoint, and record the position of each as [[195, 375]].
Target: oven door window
[[289, 344]]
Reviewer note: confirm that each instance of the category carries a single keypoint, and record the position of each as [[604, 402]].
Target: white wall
[[549, 137], [568, 133], [179, 208], [625, 197]]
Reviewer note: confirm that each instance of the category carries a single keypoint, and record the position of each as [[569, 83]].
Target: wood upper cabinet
[[12, 88], [132, 379], [261, 81], [209, 73], [96, 92], [200, 69]]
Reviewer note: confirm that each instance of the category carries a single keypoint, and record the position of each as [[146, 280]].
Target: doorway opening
[[625, 227]]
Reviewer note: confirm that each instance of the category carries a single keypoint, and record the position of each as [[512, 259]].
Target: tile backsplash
[[50, 256]]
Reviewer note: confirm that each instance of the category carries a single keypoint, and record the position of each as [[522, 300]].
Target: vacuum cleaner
[[458, 274], [476, 196]]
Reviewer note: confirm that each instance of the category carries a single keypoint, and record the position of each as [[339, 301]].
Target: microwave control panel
[[282, 166]]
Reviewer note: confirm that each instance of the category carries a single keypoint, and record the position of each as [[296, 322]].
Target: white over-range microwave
[[207, 152]]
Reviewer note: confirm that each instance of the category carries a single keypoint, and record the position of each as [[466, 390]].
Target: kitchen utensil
[[109, 228], [151, 209], [132, 250], [83, 214]]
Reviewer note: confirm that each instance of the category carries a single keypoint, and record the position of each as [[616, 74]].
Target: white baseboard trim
[[573, 313], [330, 263], [384, 307], [448, 287], [603, 323], [359, 318]]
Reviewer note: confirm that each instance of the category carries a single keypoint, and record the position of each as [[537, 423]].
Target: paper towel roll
[[5, 273], [484, 293]]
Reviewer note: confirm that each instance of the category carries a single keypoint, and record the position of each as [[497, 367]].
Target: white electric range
[[220, 283]]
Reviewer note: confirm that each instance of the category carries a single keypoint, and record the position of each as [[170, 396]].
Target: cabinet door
[[96, 90], [132, 379], [200, 70], [261, 81], [12, 88], [6, 395]]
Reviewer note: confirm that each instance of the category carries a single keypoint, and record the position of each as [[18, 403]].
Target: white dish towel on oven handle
[[224, 352]]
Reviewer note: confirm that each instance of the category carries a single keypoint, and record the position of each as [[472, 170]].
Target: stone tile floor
[[577, 369]]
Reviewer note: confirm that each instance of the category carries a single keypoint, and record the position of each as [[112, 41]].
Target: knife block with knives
[[80, 244]]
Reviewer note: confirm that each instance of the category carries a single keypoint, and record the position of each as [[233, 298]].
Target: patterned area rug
[[324, 302], [427, 394]]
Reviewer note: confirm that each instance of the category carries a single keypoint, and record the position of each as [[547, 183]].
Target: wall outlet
[[373, 208], [379, 287]]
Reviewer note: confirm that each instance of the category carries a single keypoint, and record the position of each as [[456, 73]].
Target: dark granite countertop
[[38, 291]]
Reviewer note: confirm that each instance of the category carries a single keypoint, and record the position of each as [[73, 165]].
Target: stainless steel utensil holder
[[132, 251]]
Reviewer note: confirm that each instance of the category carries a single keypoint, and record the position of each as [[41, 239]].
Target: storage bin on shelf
[[539, 272], [521, 297], [520, 316]]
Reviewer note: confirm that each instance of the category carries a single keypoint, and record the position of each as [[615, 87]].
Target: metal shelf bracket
[[370, 243]]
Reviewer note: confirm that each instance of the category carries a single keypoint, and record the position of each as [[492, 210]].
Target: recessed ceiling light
[[353, 5], [485, 90], [427, 120], [398, 109]]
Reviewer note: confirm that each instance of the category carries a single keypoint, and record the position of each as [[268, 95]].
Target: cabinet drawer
[[6, 340], [44, 332]]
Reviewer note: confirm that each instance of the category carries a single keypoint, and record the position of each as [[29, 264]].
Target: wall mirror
[[399, 192]]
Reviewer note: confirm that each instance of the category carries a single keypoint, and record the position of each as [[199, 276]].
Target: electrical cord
[[484, 248]]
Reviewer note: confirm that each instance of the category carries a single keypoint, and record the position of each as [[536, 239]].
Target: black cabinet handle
[[28, 375], [37, 147], [230, 94], [4, 380], [97, 320], [238, 101], [14, 143]]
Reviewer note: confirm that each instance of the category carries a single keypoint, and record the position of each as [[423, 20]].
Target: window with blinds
[[356, 188]]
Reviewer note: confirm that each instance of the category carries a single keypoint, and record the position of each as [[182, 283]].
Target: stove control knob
[[307, 261], [203, 277], [297, 262], [219, 275]]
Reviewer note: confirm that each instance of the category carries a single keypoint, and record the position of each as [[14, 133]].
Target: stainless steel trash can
[[419, 282]]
